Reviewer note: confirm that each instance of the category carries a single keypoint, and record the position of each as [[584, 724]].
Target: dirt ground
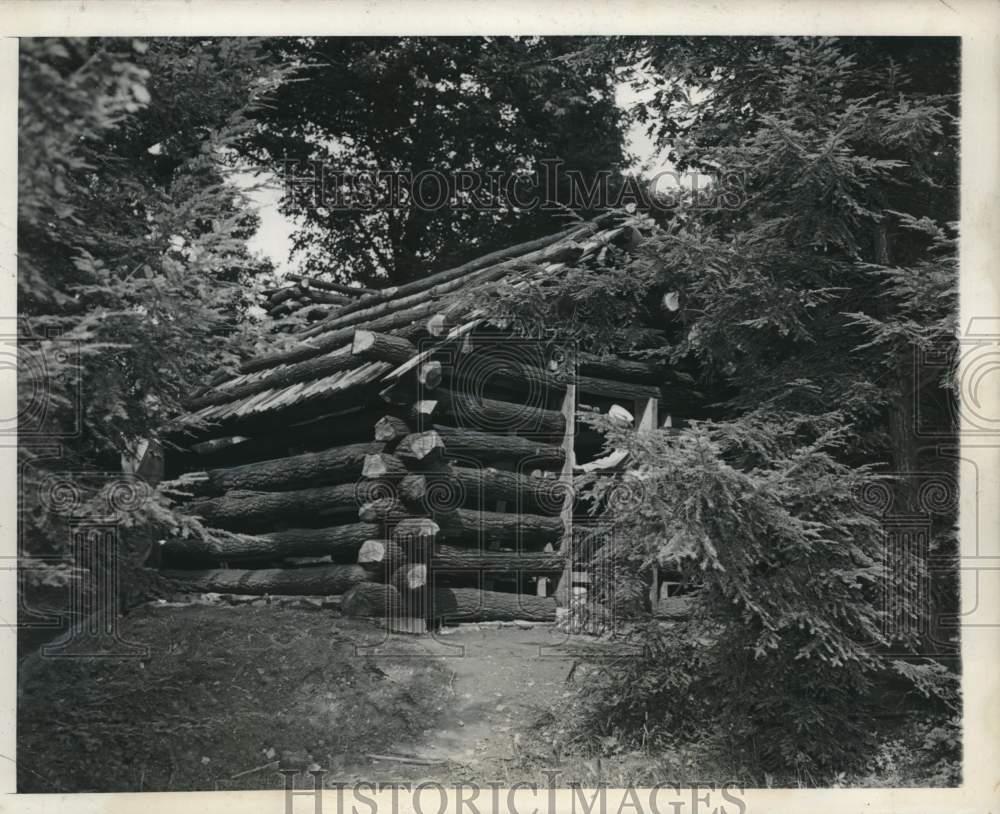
[[226, 697]]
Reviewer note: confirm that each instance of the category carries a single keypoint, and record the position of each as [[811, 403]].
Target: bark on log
[[401, 322], [390, 428], [382, 510], [385, 315], [336, 465], [378, 347], [521, 376], [369, 306], [371, 599], [479, 413], [615, 367], [498, 529], [475, 605], [337, 360], [382, 465], [247, 511], [341, 543], [453, 558], [488, 447], [464, 486], [320, 580], [415, 531], [421, 446]]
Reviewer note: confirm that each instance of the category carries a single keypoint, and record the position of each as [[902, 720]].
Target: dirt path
[[504, 679]]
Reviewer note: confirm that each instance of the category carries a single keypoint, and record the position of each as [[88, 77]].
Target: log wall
[[450, 497]]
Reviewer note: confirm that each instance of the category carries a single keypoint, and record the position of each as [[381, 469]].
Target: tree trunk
[[341, 543], [499, 529], [475, 605], [319, 580], [251, 511], [330, 466]]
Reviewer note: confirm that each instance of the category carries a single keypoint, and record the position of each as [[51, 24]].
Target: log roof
[[320, 362]]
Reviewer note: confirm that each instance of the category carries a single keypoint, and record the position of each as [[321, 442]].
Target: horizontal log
[[618, 368], [489, 447], [248, 511], [373, 599], [476, 605], [498, 529], [416, 530], [336, 465], [454, 558], [493, 415], [318, 580], [455, 486], [521, 376], [379, 347], [340, 543], [382, 510]]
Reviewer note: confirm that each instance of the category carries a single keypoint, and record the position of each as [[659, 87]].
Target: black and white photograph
[[562, 411]]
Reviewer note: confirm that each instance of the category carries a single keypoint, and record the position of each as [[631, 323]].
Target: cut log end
[[430, 374], [380, 465], [363, 341], [422, 446]]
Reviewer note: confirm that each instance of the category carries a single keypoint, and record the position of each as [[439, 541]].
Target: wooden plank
[[645, 412], [568, 410]]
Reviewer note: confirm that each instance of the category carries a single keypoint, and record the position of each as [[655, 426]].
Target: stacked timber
[[402, 451]]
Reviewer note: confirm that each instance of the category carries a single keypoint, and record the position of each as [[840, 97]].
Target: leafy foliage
[[479, 113], [132, 258], [804, 309]]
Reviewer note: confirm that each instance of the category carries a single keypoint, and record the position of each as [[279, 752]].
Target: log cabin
[[406, 451]]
